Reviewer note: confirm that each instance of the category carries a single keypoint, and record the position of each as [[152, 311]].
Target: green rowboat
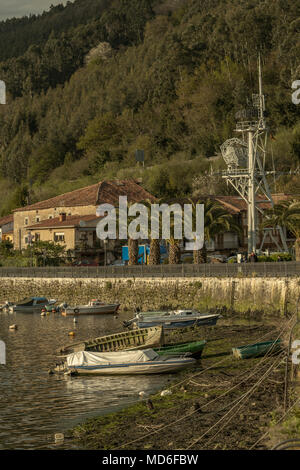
[[257, 349], [195, 349]]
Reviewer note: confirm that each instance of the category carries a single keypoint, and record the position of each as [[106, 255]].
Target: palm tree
[[133, 245], [174, 245], [174, 251], [154, 257], [133, 251], [285, 214], [216, 220]]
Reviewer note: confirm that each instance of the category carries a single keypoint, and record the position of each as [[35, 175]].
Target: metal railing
[[275, 269]]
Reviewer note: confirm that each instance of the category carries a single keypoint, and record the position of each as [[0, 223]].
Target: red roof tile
[[99, 193], [6, 220], [71, 221]]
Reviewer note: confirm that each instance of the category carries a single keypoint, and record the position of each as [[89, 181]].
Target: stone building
[[73, 232], [6, 228], [44, 220]]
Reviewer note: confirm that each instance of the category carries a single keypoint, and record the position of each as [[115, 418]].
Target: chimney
[[62, 216]]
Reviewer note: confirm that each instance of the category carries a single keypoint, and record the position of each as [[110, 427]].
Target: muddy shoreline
[[221, 403]]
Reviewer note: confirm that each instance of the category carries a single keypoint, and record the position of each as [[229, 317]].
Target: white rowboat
[[137, 362]]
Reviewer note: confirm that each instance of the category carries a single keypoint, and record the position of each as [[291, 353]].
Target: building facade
[[79, 203]]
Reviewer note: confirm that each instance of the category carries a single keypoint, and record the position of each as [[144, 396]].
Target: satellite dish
[[234, 152]]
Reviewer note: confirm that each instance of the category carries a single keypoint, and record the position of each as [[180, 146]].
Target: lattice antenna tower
[[245, 159]]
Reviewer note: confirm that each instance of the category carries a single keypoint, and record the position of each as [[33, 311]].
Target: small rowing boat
[[257, 349], [173, 319], [132, 339], [94, 307], [136, 362], [193, 349]]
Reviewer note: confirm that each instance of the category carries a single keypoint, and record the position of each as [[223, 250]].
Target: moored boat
[[31, 304], [173, 319], [257, 349], [132, 339], [193, 349], [94, 307], [136, 362]]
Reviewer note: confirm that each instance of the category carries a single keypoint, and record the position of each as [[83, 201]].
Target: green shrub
[[274, 257]]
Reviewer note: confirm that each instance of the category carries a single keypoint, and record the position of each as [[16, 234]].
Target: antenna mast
[[245, 160]]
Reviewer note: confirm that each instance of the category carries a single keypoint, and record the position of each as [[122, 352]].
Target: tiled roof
[[236, 204], [71, 221], [6, 220], [99, 193]]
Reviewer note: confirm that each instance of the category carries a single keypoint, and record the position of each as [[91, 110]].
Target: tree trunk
[[197, 259], [203, 254], [133, 251], [297, 249], [174, 252], [154, 257]]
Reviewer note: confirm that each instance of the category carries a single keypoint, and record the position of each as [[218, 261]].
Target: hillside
[[165, 76], [18, 34]]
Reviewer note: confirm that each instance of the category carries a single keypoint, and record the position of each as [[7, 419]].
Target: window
[[37, 219], [26, 221], [50, 217], [26, 240], [59, 237], [37, 237]]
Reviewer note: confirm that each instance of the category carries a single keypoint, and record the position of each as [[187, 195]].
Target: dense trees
[[170, 84]]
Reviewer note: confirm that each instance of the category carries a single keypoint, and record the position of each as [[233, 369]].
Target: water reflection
[[33, 404]]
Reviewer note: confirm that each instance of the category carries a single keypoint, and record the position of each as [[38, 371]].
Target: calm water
[[33, 404]]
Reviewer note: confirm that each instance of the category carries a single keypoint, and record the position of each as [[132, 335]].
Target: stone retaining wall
[[270, 296]]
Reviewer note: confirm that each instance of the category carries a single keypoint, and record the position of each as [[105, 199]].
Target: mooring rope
[[228, 391]]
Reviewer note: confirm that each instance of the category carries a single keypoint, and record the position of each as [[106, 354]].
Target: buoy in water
[[13, 327], [75, 320], [71, 333], [165, 392]]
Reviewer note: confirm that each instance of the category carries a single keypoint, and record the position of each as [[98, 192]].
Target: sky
[[18, 8]]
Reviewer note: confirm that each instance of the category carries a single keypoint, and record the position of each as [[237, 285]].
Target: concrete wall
[[270, 296]]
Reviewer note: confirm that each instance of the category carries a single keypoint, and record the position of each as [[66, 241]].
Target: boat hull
[[176, 323], [90, 310], [29, 308], [257, 349], [153, 367], [194, 349], [126, 340]]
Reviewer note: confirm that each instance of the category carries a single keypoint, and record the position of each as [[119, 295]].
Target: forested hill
[[100, 79], [18, 34], [43, 51]]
